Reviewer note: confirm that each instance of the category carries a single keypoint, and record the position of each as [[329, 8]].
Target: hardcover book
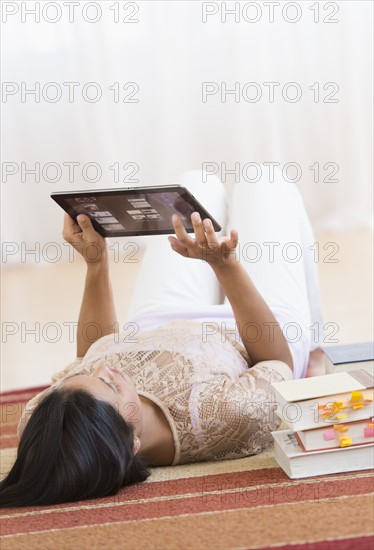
[[325, 400], [350, 357], [297, 464], [360, 432]]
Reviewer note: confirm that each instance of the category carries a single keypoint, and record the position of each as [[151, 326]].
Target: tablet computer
[[134, 211]]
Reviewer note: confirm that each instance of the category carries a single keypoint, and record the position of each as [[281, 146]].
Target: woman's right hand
[[206, 246], [85, 239]]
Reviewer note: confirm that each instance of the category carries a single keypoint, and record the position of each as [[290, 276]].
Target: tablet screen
[[133, 212]]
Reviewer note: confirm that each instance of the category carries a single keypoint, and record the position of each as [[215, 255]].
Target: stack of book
[[350, 357], [331, 424]]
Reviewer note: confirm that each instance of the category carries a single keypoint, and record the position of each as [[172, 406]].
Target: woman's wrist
[[223, 270], [101, 264]]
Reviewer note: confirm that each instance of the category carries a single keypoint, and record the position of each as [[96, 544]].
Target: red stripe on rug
[[9, 429], [20, 396], [204, 502], [34, 389], [8, 442], [324, 485], [354, 543]]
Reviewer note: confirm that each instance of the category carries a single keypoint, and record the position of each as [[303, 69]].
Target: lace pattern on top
[[217, 407]]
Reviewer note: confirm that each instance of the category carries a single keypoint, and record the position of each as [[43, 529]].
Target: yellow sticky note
[[356, 396], [345, 441], [340, 428]]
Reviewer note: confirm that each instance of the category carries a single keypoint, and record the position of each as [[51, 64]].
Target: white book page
[[318, 386]]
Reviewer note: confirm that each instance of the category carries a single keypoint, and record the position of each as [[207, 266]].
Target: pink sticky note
[[328, 435], [368, 432]]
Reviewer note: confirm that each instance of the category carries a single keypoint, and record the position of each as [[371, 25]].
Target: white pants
[[275, 247]]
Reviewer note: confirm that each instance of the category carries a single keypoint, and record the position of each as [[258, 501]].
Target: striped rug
[[248, 503]]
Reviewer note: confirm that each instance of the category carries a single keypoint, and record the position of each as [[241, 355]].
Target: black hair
[[73, 447]]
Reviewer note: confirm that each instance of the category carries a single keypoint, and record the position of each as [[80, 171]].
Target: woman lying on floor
[[189, 379]]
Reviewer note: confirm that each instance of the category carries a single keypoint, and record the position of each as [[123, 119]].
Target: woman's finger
[[70, 226], [178, 247], [211, 237], [198, 228], [229, 244], [234, 237], [180, 231], [87, 227]]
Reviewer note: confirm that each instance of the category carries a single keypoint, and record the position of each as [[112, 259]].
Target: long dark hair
[[73, 447]]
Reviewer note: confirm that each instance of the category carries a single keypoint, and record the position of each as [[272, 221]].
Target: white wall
[[169, 53]]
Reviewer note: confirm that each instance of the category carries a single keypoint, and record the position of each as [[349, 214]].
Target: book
[[360, 432], [297, 463], [350, 357], [325, 400]]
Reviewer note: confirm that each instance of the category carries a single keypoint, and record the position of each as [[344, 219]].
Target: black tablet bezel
[[60, 196]]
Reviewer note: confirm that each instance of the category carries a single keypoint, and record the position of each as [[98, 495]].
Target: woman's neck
[[156, 438]]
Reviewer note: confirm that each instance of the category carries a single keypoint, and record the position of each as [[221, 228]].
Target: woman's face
[[114, 387]]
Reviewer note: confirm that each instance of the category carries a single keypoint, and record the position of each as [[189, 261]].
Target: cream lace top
[[218, 406]]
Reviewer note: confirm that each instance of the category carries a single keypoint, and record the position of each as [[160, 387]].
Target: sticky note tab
[[328, 435], [340, 416], [356, 396], [358, 405], [328, 414], [369, 432], [340, 428], [345, 441]]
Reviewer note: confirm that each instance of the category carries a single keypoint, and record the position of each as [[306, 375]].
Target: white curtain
[[169, 53]]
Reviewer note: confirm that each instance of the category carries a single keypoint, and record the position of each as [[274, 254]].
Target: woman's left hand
[[85, 239], [206, 246]]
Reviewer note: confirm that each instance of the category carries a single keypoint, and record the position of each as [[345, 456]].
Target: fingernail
[[81, 218], [196, 217]]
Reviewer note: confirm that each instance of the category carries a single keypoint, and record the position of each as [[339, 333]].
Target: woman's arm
[[97, 315], [257, 326]]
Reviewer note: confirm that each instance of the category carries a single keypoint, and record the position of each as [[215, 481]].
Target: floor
[[40, 301]]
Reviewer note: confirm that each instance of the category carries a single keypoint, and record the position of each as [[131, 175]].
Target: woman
[[213, 322]]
